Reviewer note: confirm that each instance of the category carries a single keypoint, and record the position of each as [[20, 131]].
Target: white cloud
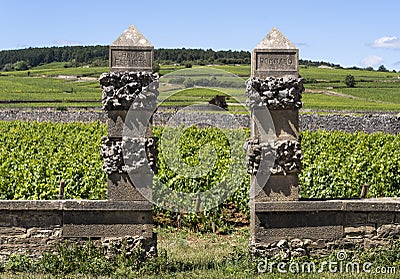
[[386, 42], [371, 61]]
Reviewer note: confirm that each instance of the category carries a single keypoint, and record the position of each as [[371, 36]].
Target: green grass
[[65, 105], [197, 94], [390, 95], [52, 82], [20, 87], [242, 71], [57, 68], [325, 102], [374, 91], [184, 254], [25, 88], [340, 74]]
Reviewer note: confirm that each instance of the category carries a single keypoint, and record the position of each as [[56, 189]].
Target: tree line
[[201, 56], [21, 59], [73, 56]]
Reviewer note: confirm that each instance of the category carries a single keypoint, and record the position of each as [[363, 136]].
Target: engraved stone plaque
[[275, 61], [131, 59]]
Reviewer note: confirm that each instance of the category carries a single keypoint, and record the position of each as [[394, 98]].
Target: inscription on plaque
[[270, 61], [131, 59]]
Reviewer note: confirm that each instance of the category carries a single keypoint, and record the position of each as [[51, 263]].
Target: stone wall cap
[[131, 37], [30, 205], [275, 40], [75, 205], [355, 205], [298, 206], [105, 205]]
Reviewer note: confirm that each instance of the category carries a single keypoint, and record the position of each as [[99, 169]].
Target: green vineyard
[[35, 157]]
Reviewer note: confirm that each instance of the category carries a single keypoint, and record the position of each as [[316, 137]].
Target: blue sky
[[350, 33]]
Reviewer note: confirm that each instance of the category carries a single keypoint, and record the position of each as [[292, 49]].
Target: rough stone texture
[[272, 235], [288, 157], [368, 123], [275, 85], [274, 93], [129, 155], [111, 152], [324, 225], [357, 207], [105, 205], [31, 227], [140, 155], [314, 245], [31, 241], [360, 230], [129, 98], [134, 154], [188, 118], [255, 153], [152, 153], [105, 230], [124, 90], [52, 115]]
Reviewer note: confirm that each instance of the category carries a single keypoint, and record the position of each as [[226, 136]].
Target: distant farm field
[[52, 85]]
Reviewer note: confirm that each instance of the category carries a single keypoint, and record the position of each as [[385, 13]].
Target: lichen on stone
[[275, 93], [124, 90]]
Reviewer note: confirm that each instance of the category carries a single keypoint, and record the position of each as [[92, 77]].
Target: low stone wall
[[288, 228], [369, 123], [31, 227], [312, 227], [212, 119], [52, 115]]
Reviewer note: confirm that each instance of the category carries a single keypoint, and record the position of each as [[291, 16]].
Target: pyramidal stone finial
[[131, 51], [275, 56], [275, 40], [132, 37]]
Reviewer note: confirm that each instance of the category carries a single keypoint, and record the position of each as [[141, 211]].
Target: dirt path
[[332, 93], [337, 94], [76, 78]]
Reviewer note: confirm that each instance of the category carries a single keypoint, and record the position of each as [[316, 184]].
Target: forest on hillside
[[73, 56]]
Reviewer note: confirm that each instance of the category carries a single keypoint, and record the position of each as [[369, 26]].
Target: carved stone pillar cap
[[274, 56], [131, 51], [132, 37]]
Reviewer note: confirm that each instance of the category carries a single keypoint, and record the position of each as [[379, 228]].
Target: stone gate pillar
[[129, 152], [275, 86]]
